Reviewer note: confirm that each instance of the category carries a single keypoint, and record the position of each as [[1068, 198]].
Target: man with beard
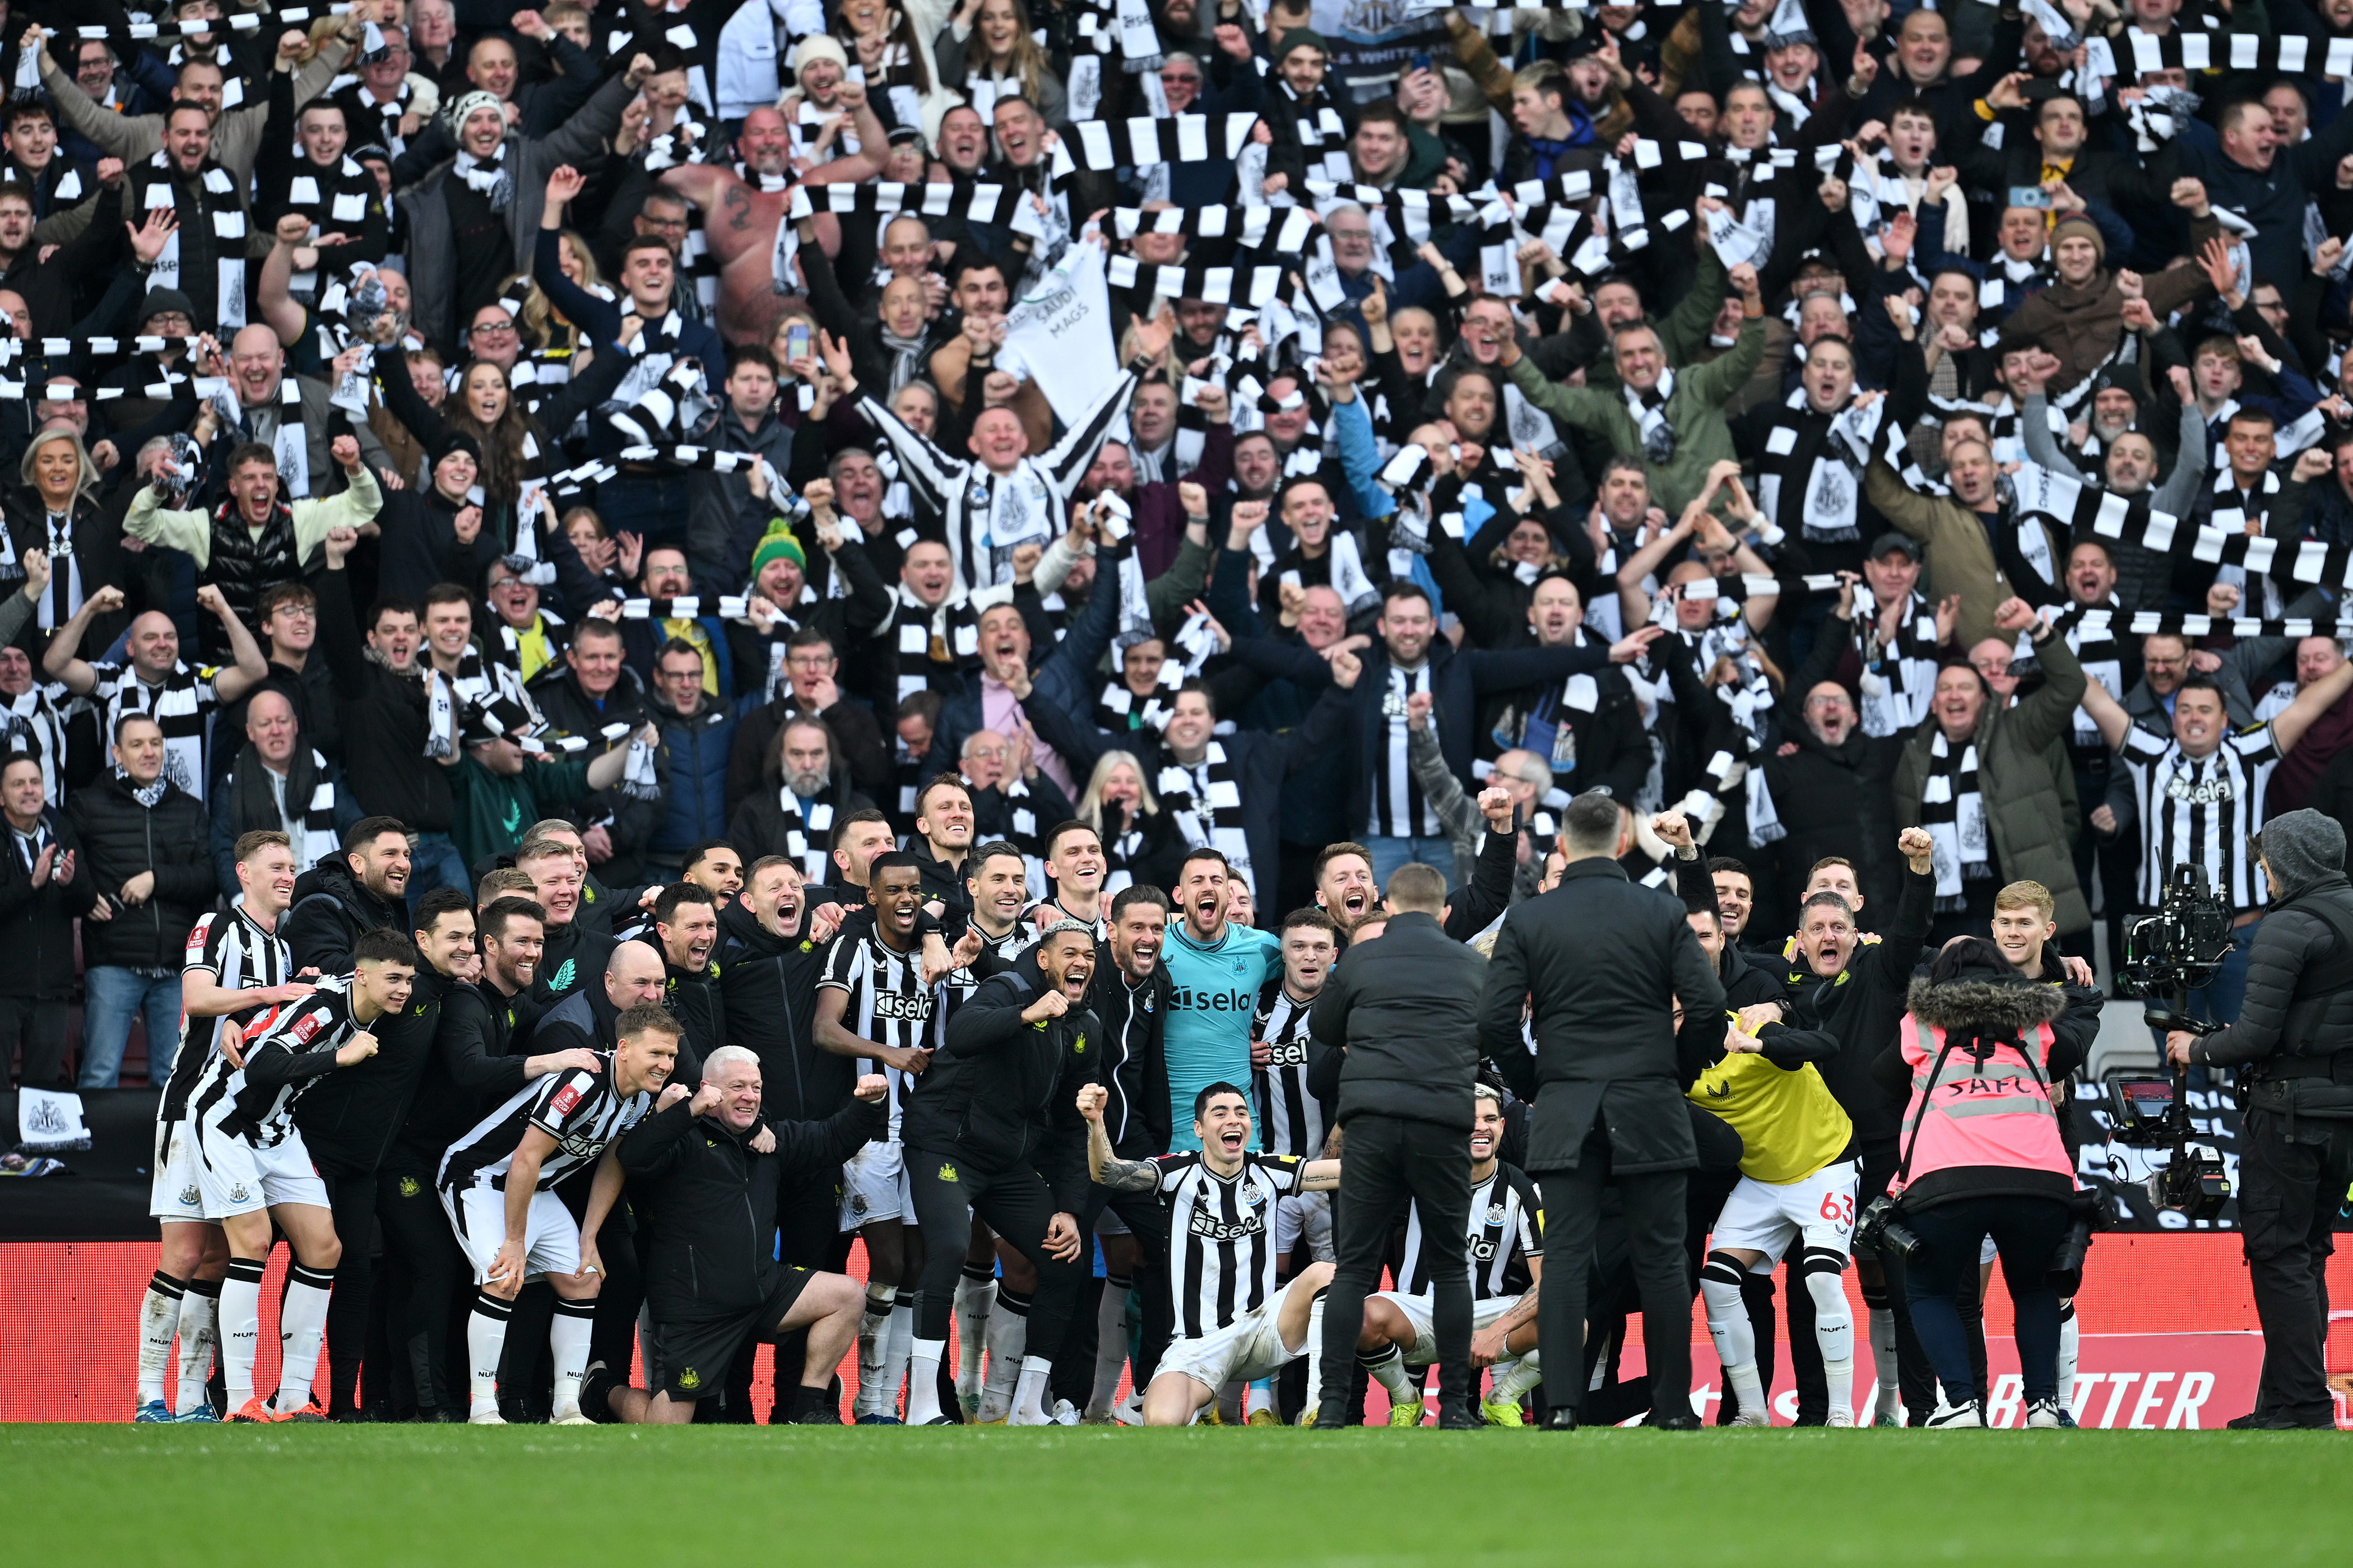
[[805, 792], [741, 203], [1989, 782], [1976, 550], [345, 896], [686, 921], [809, 691]]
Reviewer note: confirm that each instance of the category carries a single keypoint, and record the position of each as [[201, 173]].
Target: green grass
[[527, 1496]]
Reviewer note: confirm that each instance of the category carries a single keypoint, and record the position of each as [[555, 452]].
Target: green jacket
[[1695, 409], [1961, 556], [494, 808], [2025, 779], [1683, 335]]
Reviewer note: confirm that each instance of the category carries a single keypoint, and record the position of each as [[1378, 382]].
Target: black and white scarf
[[2091, 634], [805, 838], [931, 640], [1341, 568], [1827, 454], [181, 708], [2234, 511], [1899, 674], [655, 352], [223, 219], [334, 199], [1206, 800], [1954, 814], [1650, 413], [35, 728], [488, 176], [65, 595], [259, 799], [149, 795]]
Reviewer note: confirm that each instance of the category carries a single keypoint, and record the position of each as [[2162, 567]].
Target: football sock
[[159, 1319], [2067, 1350], [898, 1343], [1728, 1326], [975, 1289], [240, 1328], [1890, 1382], [1258, 1396], [301, 1321], [199, 1332], [1387, 1365], [1314, 1355], [873, 1343], [1833, 1325], [1008, 1335], [486, 1337], [1515, 1378], [1111, 1343], [568, 1344], [924, 1382], [1029, 1393]]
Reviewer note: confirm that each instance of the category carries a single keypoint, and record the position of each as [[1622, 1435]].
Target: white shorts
[[1249, 1348], [551, 1240], [1762, 1217], [1419, 1308], [177, 1192], [1308, 1214], [874, 1186], [234, 1178]]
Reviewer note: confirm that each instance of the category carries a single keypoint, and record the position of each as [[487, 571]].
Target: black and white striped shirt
[[1221, 1235], [2200, 810], [1399, 809], [581, 1110], [256, 1101], [988, 514], [1289, 1119], [889, 1004], [1506, 1217], [238, 955]]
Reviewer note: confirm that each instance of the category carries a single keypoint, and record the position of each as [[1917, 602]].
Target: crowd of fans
[[649, 430]]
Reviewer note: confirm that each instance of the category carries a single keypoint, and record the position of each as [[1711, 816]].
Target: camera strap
[[1936, 1076]]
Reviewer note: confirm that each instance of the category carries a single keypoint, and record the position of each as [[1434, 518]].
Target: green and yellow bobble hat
[[777, 544]]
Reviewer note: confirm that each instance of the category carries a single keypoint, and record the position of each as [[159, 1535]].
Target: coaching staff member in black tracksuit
[[1404, 1006], [707, 1172], [1604, 963], [2295, 1145], [992, 1130]]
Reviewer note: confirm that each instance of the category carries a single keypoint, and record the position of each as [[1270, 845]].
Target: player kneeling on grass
[[255, 1171], [1400, 1332], [708, 1173], [1231, 1324], [1797, 1173], [497, 1184]]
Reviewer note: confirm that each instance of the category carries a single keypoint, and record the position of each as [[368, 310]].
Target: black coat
[[767, 985], [350, 1117], [1838, 800], [711, 1203], [1405, 1007], [475, 1062], [332, 910], [385, 720], [2284, 1037], [1603, 959], [122, 839], [631, 821], [1861, 1005], [37, 923], [1000, 1093]]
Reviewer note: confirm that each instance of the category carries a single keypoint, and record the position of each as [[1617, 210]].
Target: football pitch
[[396, 1495]]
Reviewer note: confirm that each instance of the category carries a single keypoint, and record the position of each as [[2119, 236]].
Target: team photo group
[[1175, 712]]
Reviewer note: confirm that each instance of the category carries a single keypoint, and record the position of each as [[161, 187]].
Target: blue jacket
[[694, 807]]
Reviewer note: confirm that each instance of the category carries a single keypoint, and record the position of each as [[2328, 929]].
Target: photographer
[[1982, 1154], [2294, 1032]]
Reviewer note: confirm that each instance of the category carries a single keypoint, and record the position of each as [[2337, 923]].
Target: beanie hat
[[777, 544], [468, 103], [1302, 39], [159, 302], [818, 47], [2301, 847], [454, 441], [2076, 226]]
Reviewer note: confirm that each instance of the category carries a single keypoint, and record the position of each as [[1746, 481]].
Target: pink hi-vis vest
[[1994, 1113]]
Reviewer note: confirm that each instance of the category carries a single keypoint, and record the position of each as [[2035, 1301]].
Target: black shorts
[[691, 1359]]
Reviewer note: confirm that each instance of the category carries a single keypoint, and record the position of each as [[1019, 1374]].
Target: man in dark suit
[[1405, 1006], [1621, 992]]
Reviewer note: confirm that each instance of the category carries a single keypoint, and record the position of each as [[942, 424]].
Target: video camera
[[2168, 954]]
